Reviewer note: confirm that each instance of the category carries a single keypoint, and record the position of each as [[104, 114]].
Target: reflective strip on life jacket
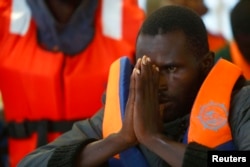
[[20, 17], [115, 10], [209, 117], [112, 10], [238, 59], [116, 19]]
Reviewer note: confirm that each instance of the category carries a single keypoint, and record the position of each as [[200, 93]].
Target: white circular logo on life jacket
[[213, 115]]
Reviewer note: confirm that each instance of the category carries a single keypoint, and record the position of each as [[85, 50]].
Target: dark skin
[[168, 63], [62, 9]]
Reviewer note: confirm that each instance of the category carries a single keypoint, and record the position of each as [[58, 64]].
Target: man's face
[[180, 71]]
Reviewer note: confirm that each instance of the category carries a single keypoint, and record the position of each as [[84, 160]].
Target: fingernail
[[157, 68], [148, 59], [137, 71], [144, 61], [139, 60]]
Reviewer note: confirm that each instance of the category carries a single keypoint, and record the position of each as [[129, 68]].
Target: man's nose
[[163, 82]]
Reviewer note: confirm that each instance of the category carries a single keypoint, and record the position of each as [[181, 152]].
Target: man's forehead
[[161, 41], [162, 46], [162, 34]]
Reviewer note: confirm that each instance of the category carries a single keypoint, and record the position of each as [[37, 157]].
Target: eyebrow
[[166, 65]]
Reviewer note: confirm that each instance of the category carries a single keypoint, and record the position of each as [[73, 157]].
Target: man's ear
[[208, 62]]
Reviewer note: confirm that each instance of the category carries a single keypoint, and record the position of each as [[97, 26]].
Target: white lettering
[[235, 159], [221, 159], [216, 158], [244, 159]]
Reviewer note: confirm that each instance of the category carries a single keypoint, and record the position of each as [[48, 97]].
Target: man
[[173, 76], [238, 50], [54, 63]]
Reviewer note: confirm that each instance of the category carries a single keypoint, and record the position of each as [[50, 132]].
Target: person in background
[[238, 50], [216, 41], [169, 110], [54, 62]]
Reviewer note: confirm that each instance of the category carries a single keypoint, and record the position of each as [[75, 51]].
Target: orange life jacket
[[238, 59], [42, 89], [209, 117]]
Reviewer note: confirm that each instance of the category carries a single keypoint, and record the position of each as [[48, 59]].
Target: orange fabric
[[210, 110], [216, 42], [34, 79], [238, 59], [21, 148], [129, 23], [112, 121], [37, 84]]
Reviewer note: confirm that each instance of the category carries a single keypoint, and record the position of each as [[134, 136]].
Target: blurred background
[[216, 19]]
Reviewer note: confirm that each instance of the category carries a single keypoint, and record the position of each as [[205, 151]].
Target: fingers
[[127, 129], [146, 75], [137, 67], [131, 96], [146, 83], [155, 76], [146, 101], [145, 66]]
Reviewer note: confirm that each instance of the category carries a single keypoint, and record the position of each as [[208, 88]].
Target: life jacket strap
[[43, 127]]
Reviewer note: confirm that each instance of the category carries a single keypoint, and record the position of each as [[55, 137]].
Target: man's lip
[[164, 97], [165, 106], [166, 103], [164, 100]]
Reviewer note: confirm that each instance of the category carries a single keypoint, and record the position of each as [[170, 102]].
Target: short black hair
[[240, 17], [178, 18]]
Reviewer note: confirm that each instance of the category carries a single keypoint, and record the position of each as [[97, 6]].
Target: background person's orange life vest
[[43, 90]]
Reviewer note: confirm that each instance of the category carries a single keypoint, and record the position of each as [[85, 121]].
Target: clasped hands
[[142, 118]]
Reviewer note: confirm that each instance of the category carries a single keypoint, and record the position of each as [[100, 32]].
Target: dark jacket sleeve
[[195, 155], [64, 156], [64, 148], [240, 118]]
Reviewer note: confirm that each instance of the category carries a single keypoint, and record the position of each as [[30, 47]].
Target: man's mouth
[[165, 107], [166, 104], [163, 98]]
